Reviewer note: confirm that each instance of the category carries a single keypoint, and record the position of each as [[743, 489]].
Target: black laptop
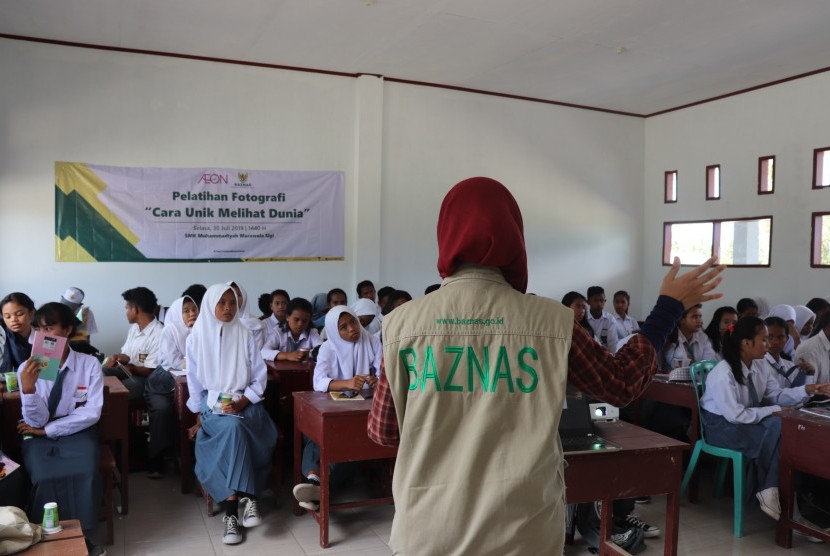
[[576, 429]]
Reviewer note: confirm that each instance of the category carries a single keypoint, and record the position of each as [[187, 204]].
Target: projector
[[604, 412]]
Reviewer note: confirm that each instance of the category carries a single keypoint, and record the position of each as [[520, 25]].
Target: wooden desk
[[646, 464], [681, 394], [805, 446], [114, 429], [186, 420], [288, 377], [69, 542], [339, 429]]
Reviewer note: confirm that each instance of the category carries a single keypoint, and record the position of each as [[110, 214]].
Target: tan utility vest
[[478, 371]]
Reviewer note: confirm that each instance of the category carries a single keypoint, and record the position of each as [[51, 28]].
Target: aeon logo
[[213, 178]]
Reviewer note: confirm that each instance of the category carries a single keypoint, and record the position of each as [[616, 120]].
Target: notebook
[[576, 428]]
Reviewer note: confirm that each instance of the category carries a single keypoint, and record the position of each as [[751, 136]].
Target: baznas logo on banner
[[107, 213]]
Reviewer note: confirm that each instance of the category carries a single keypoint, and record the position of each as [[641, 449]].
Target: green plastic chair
[[699, 371]]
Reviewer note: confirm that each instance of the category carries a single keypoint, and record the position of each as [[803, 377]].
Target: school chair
[[699, 371]]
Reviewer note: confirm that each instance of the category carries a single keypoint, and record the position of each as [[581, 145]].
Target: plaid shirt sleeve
[[383, 419], [617, 378]]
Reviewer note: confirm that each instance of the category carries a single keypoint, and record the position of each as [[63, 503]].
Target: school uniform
[[624, 327], [339, 359], [740, 416], [159, 386], [253, 324], [363, 307], [283, 340], [605, 330], [689, 350], [271, 324], [233, 453], [63, 465], [87, 325], [16, 350], [786, 373], [142, 347], [816, 351]]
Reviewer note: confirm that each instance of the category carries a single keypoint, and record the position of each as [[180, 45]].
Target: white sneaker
[[769, 503], [804, 535], [250, 513], [232, 534], [308, 495]]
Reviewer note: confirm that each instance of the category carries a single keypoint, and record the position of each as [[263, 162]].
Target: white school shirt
[[271, 324], [774, 367], [327, 368], [82, 397], [700, 345], [283, 341], [625, 326], [605, 330], [725, 397], [142, 346], [816, 351], [254, 391]]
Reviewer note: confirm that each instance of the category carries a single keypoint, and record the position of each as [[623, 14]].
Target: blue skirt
[[65, 470], [235, 455]]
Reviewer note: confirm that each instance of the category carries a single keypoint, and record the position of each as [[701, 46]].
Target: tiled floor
[[163, 521]]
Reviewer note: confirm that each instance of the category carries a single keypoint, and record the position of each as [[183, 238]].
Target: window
[[670, 187], [821, 240], [738, 242], [766, 175], [713, 182], [821, 168]]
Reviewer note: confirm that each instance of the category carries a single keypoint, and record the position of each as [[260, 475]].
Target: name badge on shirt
[[80, 395], [142, 357]]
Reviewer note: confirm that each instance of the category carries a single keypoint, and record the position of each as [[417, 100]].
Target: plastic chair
[[699, 371]]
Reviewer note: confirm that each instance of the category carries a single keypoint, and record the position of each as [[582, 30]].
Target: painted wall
[[576, 174], [788, 121]]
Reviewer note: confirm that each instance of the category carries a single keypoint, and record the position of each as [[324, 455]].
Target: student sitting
[[366, 290], [248, 321], [787, 313], [395, 300], [140, 353], [276, 321], [804, 320], [740, 400], [235, 437], [335, 298], [349, 360], [367, 313], [601, 321], [383, 295], [624, 324], [785, 372], [158, 390], [579, 305], [81, 341], [814, 351], [747, 307], [298, 339], [819, 306], [723, 318], [18, 312], [61, 457], [687, 343]]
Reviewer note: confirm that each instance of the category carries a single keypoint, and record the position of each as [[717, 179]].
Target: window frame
[[715, 245], [761, 163], [816, 153], [710, 184], [816, 244], [666, 174]]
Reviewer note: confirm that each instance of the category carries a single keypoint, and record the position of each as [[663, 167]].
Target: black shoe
[[94, 549], [632, 520]]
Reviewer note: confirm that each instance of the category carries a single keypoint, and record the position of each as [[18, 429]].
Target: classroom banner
[[110, 213]]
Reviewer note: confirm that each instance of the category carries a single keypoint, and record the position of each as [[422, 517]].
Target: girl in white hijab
[[246, 318], [804, 319], [235, 437], [349, 360], [367, 313], [787, 313], [158, 390]]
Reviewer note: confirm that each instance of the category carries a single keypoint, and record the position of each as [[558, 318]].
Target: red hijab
[[481, 224]]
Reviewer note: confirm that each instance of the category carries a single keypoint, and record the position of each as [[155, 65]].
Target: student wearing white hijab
[[158, 390], [235, 437], [367, 312], [349, 360], [246, 318], [804, 320]]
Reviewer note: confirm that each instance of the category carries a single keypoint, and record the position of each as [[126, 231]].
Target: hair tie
[[731, 328]]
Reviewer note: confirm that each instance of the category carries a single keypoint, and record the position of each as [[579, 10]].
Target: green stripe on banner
[[76, 218]]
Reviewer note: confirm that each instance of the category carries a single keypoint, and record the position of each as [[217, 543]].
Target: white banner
[[200, 214]]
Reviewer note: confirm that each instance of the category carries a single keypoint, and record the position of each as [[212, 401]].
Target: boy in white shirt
[[296, 341], [602, 322]]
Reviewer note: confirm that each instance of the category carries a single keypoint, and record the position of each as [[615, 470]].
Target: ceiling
[[634, 56]]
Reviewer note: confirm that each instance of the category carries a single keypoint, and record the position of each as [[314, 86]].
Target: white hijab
[[802, 315], [785, 312], [363, 307], [220, 348], [177, 330], [349, 358], [248, 320]]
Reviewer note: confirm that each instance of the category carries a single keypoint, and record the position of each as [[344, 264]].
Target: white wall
[[788, 121], [576, 174]]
